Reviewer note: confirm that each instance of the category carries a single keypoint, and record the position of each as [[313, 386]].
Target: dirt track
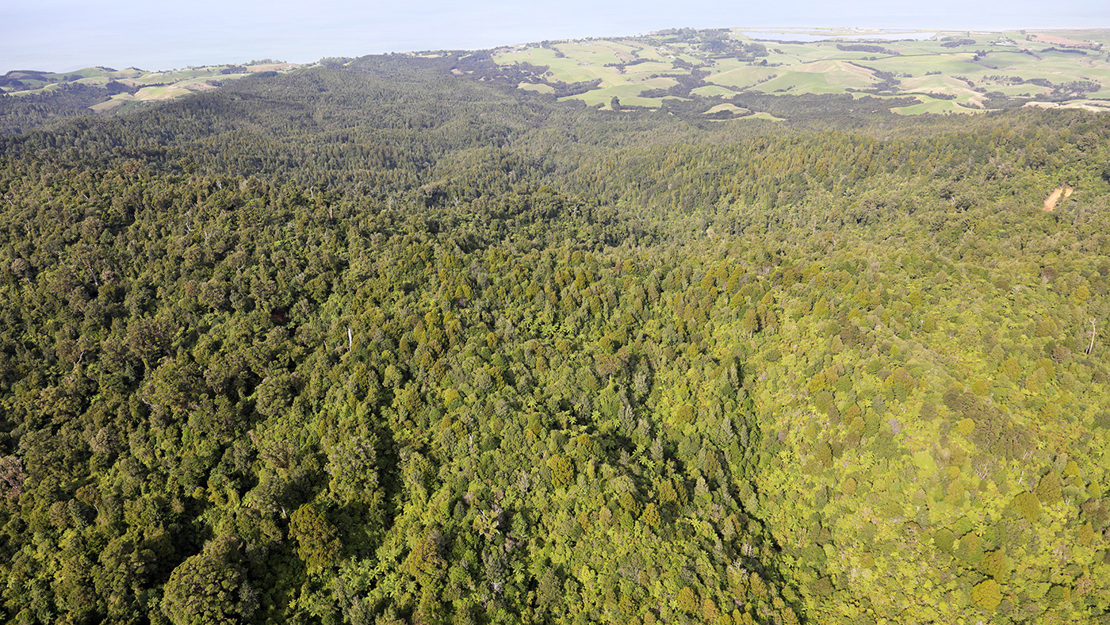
[[1054, 197]]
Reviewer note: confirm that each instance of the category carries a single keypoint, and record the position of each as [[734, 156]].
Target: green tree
[[210, 587], [318, 542], [1049, 488], [687, 600], [987, 595]]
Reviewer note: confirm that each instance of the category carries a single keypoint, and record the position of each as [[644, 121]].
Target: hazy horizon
[[63, 35]]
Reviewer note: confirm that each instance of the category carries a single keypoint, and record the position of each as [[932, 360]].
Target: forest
[[393, 341]]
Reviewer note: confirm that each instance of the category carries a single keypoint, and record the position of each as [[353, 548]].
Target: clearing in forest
[[1054, 197]]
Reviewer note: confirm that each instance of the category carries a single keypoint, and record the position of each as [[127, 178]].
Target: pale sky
[[63, 35]]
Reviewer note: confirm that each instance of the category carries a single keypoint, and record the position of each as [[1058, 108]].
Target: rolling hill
[[944, 72]]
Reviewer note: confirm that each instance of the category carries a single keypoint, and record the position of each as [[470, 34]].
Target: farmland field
[[915, 72], [946, 72], [140, 85]]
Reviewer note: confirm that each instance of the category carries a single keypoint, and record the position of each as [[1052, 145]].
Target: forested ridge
[[385, 343]]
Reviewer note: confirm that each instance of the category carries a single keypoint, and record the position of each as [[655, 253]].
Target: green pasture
[[85, 72], [97, 81], [1100, 106], [1100, 35], [1102, 94], [96, 72], [920, 66], [667, 54], [166, 92], [713, 91], [116, 101], [743, 77], [933, 106], [792, 53], [727, 65], [821, 77], [100, 77], [731, 108], [537, 87], [1010, 60], [587, 61], [687, 57], [533, 54], [761, 115], [659, 82], [189, 73], [945, 85], [572, 69], [959, 64], [596, 53], [629, 95], [32, 85], [44, 89], [644, 71]]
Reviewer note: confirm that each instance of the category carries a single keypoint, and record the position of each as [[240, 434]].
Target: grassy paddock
[[951, 71], [151, 85]]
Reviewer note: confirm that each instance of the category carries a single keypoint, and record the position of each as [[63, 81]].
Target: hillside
[[393, 340], [29, 98], [944, 72], [719, 73]]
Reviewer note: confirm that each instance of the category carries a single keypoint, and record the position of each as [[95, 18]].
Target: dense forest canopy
[[384, 342]]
